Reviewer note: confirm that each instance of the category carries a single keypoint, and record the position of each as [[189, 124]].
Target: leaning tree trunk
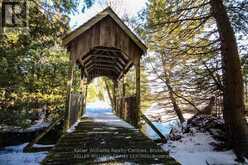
[[236, 125], [173, 101], [171, 92]]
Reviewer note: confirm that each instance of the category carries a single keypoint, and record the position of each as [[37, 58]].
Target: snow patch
[[37, 126], [41, 145], [195, 149], [14, 155]]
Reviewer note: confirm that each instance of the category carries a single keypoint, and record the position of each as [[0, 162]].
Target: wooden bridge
[[106, 139], [105, 46]]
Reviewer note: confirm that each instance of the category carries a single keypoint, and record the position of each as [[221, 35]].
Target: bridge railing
[[76, 108], [127, 110]]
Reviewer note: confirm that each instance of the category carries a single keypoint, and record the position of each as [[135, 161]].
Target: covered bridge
[[105, 46]]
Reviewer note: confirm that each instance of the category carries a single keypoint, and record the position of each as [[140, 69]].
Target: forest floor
[[201, 141]]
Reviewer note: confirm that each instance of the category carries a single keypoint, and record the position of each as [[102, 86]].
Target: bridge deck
[[95, 141]]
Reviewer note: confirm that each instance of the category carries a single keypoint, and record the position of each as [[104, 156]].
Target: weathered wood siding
[[105, 33]]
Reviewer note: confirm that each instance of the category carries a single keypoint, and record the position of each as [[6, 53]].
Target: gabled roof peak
[[90, 23]]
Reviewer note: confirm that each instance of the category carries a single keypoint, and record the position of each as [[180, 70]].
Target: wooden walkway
[[96, 142]]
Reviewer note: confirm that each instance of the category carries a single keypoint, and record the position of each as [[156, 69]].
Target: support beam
[[137, 67], [69, 89], [86, 93], [128, 66], [86, 58], [103, 66], [83, 84], [111, 62], [115, 86], [155, 129], [104, 61], [82, 65], [116, 57]]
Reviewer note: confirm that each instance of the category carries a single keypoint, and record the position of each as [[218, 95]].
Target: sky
[[123, 7]]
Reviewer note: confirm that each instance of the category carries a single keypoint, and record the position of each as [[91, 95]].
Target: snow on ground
[[196, 150], [192, 148], [35, 127], [156, 112], [39, 124], [41, 145], [14, 155], [168, 121]]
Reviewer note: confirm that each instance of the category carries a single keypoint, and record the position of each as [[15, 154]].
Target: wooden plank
[[154, 128], [105, 59], [29, 147], [128, 66], [115, 86], [102, 65], [126, 144], [103, 69], [81, 29], [137, 67], [82, 87]]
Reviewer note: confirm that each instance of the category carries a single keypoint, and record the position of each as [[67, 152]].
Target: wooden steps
[[98, 143]]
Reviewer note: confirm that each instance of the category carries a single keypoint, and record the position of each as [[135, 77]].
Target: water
[[163, 127]]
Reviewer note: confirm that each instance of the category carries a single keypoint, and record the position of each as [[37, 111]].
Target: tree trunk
[[174, 102], [236, 125], [246, 91], [171, 92], [109, 93], [68, 98]]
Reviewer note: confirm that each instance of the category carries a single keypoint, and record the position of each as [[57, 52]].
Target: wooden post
[[137, 67], [83, 90], [115, 85], [68, 98], [154, 128], [85, 95]]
